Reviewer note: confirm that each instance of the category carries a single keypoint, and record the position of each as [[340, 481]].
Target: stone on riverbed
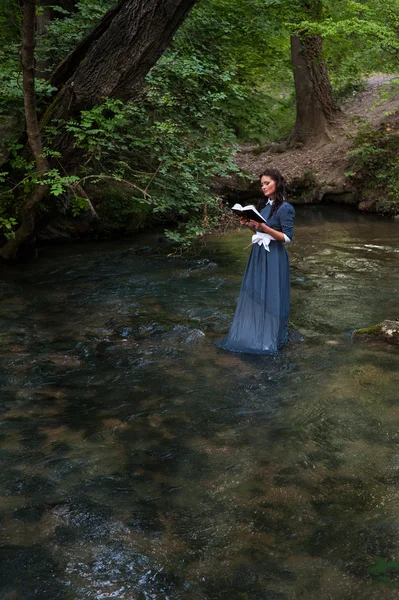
[[387, 331], [195, 336]]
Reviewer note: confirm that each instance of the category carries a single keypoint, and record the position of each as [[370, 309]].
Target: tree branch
[[128, 183], [84, 195]]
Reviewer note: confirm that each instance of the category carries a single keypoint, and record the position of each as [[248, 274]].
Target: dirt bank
[[318, 171]]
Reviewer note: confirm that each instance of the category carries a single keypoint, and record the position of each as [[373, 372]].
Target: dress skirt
[[260, 322]]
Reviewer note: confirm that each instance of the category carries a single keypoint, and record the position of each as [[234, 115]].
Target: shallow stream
[[141, 462]]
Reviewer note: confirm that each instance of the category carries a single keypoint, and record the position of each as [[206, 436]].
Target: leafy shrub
[[375, 164]]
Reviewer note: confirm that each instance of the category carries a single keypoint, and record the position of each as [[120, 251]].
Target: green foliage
[[10, 81], [7, 222], [57, 182], [100, 129], [375, 164], [359, 38], [170, 145], [67, 28], [115, 205], [225, 79], [7, 226], [167, 155], [78, 205], [62, 34], [247, 42]]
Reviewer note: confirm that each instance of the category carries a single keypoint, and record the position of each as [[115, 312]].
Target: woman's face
[[268, 186]]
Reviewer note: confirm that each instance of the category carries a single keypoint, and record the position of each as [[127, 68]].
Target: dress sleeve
[[287, 222]]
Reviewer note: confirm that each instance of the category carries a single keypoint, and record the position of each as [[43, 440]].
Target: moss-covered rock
[[387, 331]]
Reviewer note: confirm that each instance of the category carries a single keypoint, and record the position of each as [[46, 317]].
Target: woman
[[261, 319]]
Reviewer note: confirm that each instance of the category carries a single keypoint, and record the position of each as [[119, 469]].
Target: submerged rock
[[195, 335], [387, 331]]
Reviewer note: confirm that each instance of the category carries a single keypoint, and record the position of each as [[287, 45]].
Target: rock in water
[[390, 330], [387, 331], [195, 335]]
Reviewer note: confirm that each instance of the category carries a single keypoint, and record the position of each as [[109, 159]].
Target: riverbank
[[328, 171]]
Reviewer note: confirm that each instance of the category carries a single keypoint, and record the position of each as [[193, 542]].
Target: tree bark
[[28, 83], [316, 109], [116, 56]]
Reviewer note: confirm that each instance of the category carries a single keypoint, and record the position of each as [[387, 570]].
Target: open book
[[248, 212]]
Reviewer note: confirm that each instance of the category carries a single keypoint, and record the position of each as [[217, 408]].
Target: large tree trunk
[[316, 109], [116, 56], [110, 61], [113, 60]]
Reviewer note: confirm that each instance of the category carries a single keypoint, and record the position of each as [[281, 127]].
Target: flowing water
[[141, 462]]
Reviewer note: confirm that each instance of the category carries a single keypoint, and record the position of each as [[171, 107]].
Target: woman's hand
[[255, 226], [244, 221], [252, 225]]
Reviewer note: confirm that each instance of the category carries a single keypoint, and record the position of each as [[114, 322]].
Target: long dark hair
[[281, 192]]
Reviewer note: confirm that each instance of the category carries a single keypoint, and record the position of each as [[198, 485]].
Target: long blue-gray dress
[[261, 319]]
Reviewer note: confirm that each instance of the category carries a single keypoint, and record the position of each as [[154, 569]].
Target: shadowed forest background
[[110, 122]]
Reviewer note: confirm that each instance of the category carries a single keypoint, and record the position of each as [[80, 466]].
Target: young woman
[[261, 318]]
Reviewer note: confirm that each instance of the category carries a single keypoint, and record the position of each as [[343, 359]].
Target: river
[[141, 462]]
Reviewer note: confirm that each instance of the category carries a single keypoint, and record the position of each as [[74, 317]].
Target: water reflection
[[140, 461]]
